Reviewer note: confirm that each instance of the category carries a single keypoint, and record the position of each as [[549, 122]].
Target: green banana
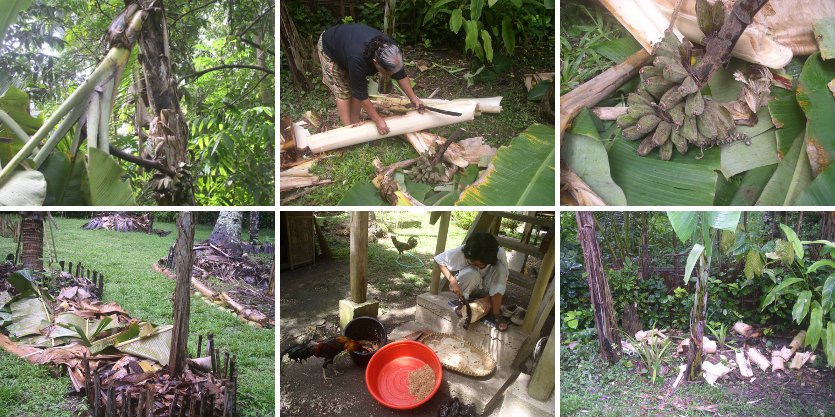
[[662, 133], [695, 104], [665, 152], [679, 141], [646, 146]]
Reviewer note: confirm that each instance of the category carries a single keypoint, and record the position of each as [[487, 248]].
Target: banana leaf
[[63, 180], [361, 194], [523, 174], [819, 105], [649, 181], [15, 103], [787, 116], [103, 184], [825, 35], [156, 345], [584, 152], [72, 325], [820, 191], [792, 174], [24, 188], [28, 317], [24, 283], [752, 185]]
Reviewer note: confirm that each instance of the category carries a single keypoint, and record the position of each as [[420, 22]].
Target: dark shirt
[[345, 44]]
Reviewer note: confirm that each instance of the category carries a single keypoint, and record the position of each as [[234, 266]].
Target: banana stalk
[[57, 135], [116, 58]]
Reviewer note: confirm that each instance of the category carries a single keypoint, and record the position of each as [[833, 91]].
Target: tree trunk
[[827, 231], [227, 232], [291, 45], [601, 297], [168, 130], [388, 29], [261, 60], [645, 271], [32, 240], [253, 225], [697, 321], [182, 303]]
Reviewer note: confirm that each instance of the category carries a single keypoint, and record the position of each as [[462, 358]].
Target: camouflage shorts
[[334, 76]]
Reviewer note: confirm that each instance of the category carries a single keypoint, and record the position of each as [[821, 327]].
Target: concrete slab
[[517, 402], [348, 310], [434, 312]]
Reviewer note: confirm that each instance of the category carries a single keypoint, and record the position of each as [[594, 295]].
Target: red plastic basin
[[387, 374]]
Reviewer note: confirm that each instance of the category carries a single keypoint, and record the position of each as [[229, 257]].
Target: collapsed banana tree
[[43, 175]]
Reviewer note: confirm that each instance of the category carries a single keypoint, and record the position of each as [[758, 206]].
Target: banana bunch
[[668, 109], [425, 172]]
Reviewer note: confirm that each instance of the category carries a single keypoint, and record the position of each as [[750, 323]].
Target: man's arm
[[453, 283], [406, 86], [382, 127]]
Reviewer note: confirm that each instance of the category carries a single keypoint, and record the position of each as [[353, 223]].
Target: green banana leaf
[[787, 116], [649, 181], [15, 102], [156, 345], [24, 283], [24, 188], [819, 105], [362, 194], [820, 191], [523, 174], [752, 185], [791, 176], [63, 179], [8, 13], [28, 317], [103, 184], [825, 35], [585, 154], [72, 325]]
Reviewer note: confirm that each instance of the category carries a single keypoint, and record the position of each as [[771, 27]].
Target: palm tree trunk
[[227, 232], [32, 240], [254, 217]]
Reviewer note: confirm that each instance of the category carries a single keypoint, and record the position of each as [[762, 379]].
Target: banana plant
[[698, 228], [94, 98]]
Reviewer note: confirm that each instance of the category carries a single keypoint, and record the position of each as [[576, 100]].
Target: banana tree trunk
[[32, 240], [601, 297], [253, 225], [697, 321], [182, 301], [169, 133]]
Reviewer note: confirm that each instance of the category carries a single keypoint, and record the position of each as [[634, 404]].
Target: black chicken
[[327, 349], [401, 246]]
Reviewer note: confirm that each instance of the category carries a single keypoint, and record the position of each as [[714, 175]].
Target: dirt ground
[[308, 311]]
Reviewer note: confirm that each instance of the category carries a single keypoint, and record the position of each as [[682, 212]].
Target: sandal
[[518, 316], [497, 322]]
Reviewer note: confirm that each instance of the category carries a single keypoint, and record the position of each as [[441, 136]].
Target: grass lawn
[[125, 259], [590, 387]]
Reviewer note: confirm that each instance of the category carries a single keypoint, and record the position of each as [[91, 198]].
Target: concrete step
[[517, 402]]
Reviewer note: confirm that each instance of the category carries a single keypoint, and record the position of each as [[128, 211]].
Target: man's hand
[[454, 287], [382, 127], [419, 106]]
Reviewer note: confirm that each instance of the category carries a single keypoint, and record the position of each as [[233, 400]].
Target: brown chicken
[[327, 349], [404, 246]]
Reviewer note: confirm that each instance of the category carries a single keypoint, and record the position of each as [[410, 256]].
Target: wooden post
[[182, 302], [601, 297], [359, 256], [539, 288], [542, 380], [440, 246]]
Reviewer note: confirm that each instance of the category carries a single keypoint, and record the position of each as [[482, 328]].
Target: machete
[[425, 107]]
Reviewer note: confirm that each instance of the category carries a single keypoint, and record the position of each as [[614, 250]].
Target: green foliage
[[577, 320], [651, 352], [719, 331], [463, 219]]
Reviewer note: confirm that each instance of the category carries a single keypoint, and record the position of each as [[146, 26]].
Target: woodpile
[[124, 222]]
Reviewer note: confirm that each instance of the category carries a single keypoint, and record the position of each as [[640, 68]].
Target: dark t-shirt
[[345, 44]]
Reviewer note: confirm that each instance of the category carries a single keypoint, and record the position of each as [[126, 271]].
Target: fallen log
[[797, 342], [758, 358], [398, 103], [744, 365], [711, 372], [777, 362], [248, 313], [743, 329], [800, 359], [398, 125], [598, 88]]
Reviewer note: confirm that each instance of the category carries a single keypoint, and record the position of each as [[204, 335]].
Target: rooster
[[402, 247], [327, 349]]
